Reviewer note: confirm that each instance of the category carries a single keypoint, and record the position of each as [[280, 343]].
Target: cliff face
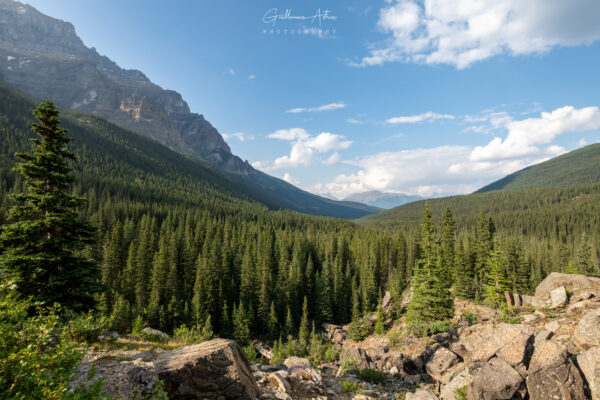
[[45, 58]]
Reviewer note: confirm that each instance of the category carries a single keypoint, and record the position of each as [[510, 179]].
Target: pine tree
[[380, 321], [241, 330], [463, 280], [447, 245], [289, 323], [42, 248], [303, 332], [584, 263], [273, 325], [497, 282], [431, 304]]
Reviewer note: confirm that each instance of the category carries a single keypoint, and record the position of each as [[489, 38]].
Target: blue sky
[[400, 96]]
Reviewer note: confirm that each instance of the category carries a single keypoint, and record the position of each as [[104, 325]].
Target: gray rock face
[[587, 332], [45, 58], [421, 394], [458, 380], [441, 360], [559, 297], [214, 369], [589, 363], [156, 332], [303, 369], [493, 380], [569, 281]]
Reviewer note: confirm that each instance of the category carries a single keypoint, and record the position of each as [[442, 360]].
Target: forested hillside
[[179, 246], [578, 167]]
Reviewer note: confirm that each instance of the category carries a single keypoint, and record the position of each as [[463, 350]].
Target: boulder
[[215, 369], [493, 380], [385, 303], [571, 282], [559, 297], [511, 342], [533, 301], [582, 295], [279, 379], [589, 363], [587, 331], [459, 379], [123, 380], [421, 394], [303, 369], [582, 305], [334, 333], [155, 332], [552, 374], [441, 360]]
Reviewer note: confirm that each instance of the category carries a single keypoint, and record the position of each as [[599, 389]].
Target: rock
[[509, 299], [589, 304], [122, 379], [421, 394], [213, 369], [587, 332], [283, 396], [363, 397], [440, 361], [571, 282], [589, 363], [582, 295], [302, 368], [511, 342], [334, 333], [517, 300], [155, 332], [559, 297], [280, 381], [459, 380], [494, 379], [385, 303], [529, 318], [552, 326], [552, 375], [533, 301], [542, 336]]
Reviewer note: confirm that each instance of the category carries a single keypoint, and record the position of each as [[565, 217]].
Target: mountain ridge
[[385, 200]]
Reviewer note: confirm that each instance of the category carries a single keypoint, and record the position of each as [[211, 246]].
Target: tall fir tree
[[41, 251]]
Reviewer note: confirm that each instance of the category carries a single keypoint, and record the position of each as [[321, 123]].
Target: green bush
[[38, 354], [85, 328], [422, 328], [371, 375], [252, 354], [469, 317], [461, 393], [359, 329], [350, 386], [347, 365]]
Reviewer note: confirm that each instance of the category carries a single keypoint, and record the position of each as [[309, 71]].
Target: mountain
[[581, 166], [379, 199], [43, 57]]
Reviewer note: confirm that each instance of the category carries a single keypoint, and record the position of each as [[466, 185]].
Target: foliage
[[347, 365], [350, 386], [372, 375], [469, 317], [38, 354], [41, 248], [85, 328], [252, 354], [194, 334], [508, 315], [380, 322], [461, 393]]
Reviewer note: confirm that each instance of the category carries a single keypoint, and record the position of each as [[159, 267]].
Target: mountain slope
[[379, 199], [43, 57], [128, 164], [581, 166]]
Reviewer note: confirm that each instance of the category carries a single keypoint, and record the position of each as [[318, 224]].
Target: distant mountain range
[[43, 57], [384, 200]]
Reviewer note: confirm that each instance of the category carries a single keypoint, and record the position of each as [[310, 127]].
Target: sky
[[420, 97]]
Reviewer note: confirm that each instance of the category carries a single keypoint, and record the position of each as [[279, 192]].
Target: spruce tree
[[463, 279], [42, 249], [584, 264], [497, 281], [303, 332], [273, 325], [241, 330]]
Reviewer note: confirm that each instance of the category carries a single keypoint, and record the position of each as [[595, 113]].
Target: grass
[[372, 376]]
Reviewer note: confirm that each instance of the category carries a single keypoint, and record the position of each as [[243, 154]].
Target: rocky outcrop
[[214, 369], [559, 297], [302, 368], [493, 380], [587, 332], [45, 58], [589, 363], [552, 374], [441, 360], [571, 282], [155, 333]]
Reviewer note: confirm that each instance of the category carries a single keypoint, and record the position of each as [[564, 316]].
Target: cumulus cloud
[[413, 119], [525, 136], [462, 32], [305, 149], [290, 179], [241, 136], [463, 169], [251, 77], [325, 107]]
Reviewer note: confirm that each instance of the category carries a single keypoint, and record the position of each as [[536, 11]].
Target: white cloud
[[290, 179], [241, 136], [251, 77], [305, 149], [289, 134], [525, 136], [582, 142], [413, 119], [325, 107], [231, 71], [462, 169], [462, 32], [354, 121]]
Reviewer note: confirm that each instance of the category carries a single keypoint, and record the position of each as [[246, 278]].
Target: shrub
[[509, 316], [461, 393], [85, 328], [422, 328], [350, 386], [252, 354], [38, 354], [469, 317], [359, 329], [347, 365], [371, 375]]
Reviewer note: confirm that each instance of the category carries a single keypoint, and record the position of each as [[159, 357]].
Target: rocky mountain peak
[[44, 57]]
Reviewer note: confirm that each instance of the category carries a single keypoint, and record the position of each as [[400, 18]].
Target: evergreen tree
[[463, 279], [42, 248], [303, 332], [380, 321], [584, 263], [497, 282], [273, 326], [447, 245], [431, 303], [241, 330]]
